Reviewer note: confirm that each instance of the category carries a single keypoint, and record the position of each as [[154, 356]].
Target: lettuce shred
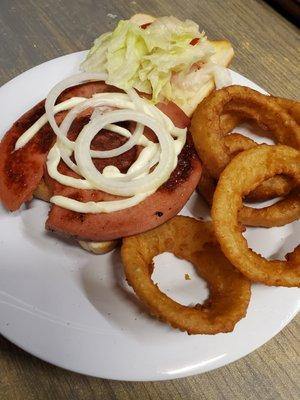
[[151, 60]]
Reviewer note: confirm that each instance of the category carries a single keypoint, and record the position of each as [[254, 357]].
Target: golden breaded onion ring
[[273, 187], [254, 166], [281, 213], [276, 186], [292, 107], [206, 127], [223, 110], [194, 241]]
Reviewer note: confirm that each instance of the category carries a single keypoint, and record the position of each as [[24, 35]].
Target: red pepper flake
[[145, 26], [194, 41]]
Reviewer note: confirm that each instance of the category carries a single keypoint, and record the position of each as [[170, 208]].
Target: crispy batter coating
[[254, 165], [281, 213], [194, 241], [223, 110], [278, 185], [207, 129], [219, 114]]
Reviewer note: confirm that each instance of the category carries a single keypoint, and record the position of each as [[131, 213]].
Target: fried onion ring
[[276, 186], [292, 107], [254, 165], [281, 213], [194, 241], [234, 105], [273, 187], [207, 126], [235, 142], [206, 187]]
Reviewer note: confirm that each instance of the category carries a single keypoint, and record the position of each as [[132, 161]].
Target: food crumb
[[113, 16], [187, 277], [247, 45]]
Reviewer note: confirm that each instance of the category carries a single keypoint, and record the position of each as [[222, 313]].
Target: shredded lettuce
[[148, 59]]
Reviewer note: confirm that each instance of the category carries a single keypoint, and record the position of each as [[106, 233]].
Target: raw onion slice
[[121, 149], [32, 131], [119, 101], [65, 154], [60, 87], [158, 176], [152, 167], [53, 160]]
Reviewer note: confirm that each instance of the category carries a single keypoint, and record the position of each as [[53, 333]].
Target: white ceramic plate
[[75, 310]]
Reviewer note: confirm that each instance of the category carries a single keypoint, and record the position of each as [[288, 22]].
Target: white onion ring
[[133, 171], [60, 87], [138, 183], [98, 102], [119, 101], [160, 174], [53, 160]]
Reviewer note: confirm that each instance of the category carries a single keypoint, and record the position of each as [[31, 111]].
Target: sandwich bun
[[223, 56]]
